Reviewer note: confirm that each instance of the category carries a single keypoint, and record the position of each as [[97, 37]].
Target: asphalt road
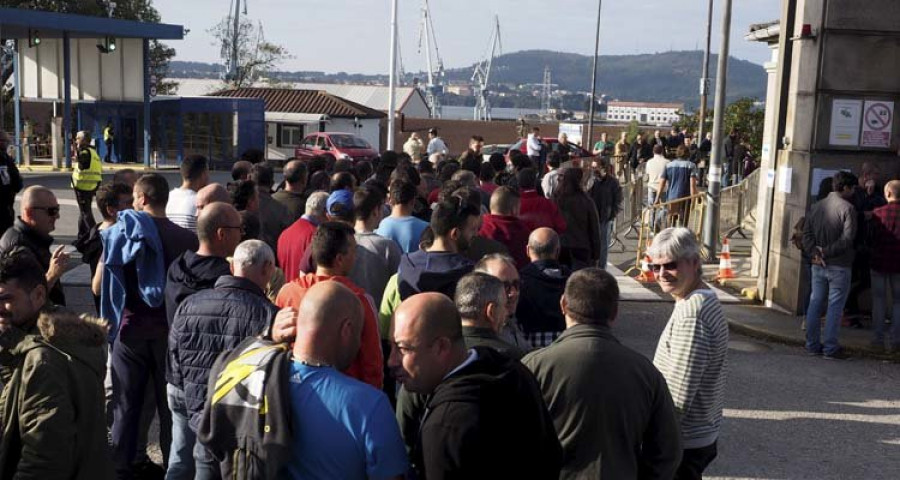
[[788, 416]]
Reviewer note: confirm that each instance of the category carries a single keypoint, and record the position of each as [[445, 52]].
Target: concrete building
[[292, 114], [645, 113], [831, 103]]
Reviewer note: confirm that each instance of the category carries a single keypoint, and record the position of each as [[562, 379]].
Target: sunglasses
[[670, 267], [51, 211]]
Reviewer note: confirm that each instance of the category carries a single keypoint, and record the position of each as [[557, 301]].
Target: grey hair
[[251, 254], [482, 265], [466, 178], [315, 204], [675, 243], [475, 291]]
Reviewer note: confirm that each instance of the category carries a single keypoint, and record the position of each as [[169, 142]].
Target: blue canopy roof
[[16, 22]]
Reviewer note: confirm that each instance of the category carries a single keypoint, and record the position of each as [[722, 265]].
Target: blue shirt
[[406, 231], [343, 428], [678, 175]]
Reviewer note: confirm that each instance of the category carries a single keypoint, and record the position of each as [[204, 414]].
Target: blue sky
[[352, 35]]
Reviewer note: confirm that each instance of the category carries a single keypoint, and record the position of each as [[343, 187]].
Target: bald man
[[343, 428], [214, 192], [485, 417], [31, 232], [504, 225], [542, 283]]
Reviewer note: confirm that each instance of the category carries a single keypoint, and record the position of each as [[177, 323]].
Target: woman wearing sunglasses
[[691, 353]]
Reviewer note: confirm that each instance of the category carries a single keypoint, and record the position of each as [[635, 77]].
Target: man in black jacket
[[31, 231], [206, 324], [610, 405], [10, 184], [542, 284], [485, 417], [606, 193]]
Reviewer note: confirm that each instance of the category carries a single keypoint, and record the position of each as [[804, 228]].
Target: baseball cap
[[340, 204]]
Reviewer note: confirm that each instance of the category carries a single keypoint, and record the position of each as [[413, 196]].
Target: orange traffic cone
[[725, 270], [647, 275]]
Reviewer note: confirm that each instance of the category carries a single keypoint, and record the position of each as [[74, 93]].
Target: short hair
[[519, 160], [295, 172], [108, 195], [366, 199], [545, 250], [241, 170], [894, 187], [471, 163], [658, 150], [263, 174], [592, 296], [477, 138], [253, 155], [208, 221], [447, 188], [675, 243], [119, 175], [155, 189], [252, 254], [343, 165], [20, 266], [475, 291], [486, 172], [86, 134], [445, 170], [554, 159], [842, 180], [401, 192], [250, 225], [451, 214], [363, 170], [316, 203], [317, 164], [330, 240], [505, 201], [497, 161], [527, 178], [681, 151], [482, 265], [465, 177], [408, 172], [341, 181], [472, 196], [319, 181], [242, 191], [193, 167]]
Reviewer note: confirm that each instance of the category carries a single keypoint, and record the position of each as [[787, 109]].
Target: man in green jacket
[[52, 364]]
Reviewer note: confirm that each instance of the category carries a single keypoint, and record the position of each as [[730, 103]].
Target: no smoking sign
[[878, 116], [878, 124]]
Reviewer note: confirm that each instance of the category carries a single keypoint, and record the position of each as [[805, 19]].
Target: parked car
[[552, 145], [489, 150], [340, 146]]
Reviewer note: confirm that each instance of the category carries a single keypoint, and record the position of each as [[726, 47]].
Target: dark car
[[340, 146]]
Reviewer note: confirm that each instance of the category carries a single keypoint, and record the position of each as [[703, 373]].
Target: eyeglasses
[[51, 211], [670, 267]]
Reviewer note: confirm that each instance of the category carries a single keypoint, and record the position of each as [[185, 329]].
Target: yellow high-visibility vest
[[88, 180], [107, 134]]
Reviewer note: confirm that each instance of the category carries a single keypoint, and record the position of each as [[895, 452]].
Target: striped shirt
[[692, 357], [182, 208]]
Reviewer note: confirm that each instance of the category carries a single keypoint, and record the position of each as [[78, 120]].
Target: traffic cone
[[725, 269], [647, 275]]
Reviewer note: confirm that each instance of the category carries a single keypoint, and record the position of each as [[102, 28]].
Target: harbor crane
[[482, 75]]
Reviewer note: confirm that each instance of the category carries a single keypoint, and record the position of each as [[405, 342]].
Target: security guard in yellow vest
[[109, 139], [85, 179]]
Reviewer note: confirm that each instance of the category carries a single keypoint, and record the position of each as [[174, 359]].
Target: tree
[[742, 114], [257, 58], [140, 10]]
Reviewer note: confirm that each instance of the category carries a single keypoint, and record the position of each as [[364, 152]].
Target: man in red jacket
[[294, 240], [503, 224], [536, 209], [334, 252]]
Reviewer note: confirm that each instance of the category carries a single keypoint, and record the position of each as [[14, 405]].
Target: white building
[[645, 113]]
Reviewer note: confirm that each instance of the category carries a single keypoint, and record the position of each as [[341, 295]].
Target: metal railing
[[738, 205], [684, 212]]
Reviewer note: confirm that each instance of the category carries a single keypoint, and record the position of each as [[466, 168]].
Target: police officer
[[108, 139], [85, 179]]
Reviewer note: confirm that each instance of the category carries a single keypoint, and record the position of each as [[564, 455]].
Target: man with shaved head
[[31, 231], [207, 323], [504, 225], [214, 192], [485, 416], [343, 428], [542, 284]]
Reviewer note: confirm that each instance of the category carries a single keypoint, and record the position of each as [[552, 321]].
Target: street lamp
[[392, 80], [590, 134]]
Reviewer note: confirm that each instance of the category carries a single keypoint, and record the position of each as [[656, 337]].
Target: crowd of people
[[395, 319]]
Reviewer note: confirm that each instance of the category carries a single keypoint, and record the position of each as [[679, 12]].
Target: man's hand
[[58, 263], [284, 329]]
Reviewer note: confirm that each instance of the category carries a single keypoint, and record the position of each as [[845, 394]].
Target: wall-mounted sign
[[878, 124], [845, 120]]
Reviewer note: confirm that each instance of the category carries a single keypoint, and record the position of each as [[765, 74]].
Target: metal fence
[[738, 206]]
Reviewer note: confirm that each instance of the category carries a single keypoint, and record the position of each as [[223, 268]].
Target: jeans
[[207, 465], [694, 461], [830, 288], [134, 361], [880, 284], [181, 456], [605, 235]]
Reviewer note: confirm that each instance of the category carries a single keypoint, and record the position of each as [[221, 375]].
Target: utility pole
[[392, 78], [704, 80], [589, 146], [235, 40], [711, 222]]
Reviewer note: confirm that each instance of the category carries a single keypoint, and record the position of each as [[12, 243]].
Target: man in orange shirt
[[334, 252]]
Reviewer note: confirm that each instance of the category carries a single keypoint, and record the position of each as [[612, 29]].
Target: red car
[[340, 146], [575, 152]]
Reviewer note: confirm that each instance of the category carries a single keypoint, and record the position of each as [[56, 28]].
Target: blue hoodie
[[133, 238], [423, 271]]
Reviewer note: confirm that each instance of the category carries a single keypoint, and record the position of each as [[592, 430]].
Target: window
[[309, 142], [291, 135]]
